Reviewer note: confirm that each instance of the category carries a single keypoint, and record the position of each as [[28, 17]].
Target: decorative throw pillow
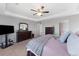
[[63, 38], [73, 45], [77, 33]]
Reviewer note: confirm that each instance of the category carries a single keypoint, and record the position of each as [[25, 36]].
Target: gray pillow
[[63, 38]]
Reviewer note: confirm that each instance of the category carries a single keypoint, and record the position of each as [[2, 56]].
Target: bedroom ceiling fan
[[40, 11]]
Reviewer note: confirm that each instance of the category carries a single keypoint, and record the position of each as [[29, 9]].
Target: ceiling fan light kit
[[39, 11], [39, 14]]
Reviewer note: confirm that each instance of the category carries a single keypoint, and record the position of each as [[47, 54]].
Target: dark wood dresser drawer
[[23, 35]]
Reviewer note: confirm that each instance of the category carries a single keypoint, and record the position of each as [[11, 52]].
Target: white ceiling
[[23, 10]]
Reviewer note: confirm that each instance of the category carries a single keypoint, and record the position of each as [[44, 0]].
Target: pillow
[[73, 45], [63, 38], [77, 33]]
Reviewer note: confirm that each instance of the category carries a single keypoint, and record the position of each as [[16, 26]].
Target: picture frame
[[23, 26]]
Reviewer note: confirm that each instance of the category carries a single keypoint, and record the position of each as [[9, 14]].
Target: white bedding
[[55, 48]]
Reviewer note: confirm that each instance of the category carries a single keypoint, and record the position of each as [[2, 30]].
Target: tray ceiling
[[55, 10]]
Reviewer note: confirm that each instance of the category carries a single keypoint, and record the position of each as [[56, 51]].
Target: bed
[[50, 47]]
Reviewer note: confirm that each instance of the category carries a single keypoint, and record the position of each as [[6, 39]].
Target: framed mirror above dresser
[[23, 27], [23, 33]]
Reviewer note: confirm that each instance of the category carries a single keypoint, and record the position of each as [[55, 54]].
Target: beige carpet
[[18, 49]]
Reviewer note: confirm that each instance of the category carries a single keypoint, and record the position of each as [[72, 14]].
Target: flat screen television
[[6, 29]]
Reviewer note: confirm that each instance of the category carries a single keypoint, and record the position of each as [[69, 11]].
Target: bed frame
[[29, 53]]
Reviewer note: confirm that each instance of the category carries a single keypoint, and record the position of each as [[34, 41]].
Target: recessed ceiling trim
[[67, 13], [56, 10], [20, 16]]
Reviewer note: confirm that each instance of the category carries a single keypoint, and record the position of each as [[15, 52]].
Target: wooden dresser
[[23, 35]]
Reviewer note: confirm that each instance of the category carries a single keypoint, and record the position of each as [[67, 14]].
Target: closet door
[[63, 27]]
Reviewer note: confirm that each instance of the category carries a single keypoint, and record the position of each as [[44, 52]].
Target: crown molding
[[64, 14], [19, 16]]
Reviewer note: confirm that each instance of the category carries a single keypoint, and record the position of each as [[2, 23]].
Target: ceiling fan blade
[[45, 11], [33, 10], [35, 14]]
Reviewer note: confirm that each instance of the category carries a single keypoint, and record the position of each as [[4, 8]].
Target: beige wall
[[74, 23], [71, 23], [54, 23], [7, 20]]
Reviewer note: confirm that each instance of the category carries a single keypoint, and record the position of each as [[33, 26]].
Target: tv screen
[[6, 29]]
